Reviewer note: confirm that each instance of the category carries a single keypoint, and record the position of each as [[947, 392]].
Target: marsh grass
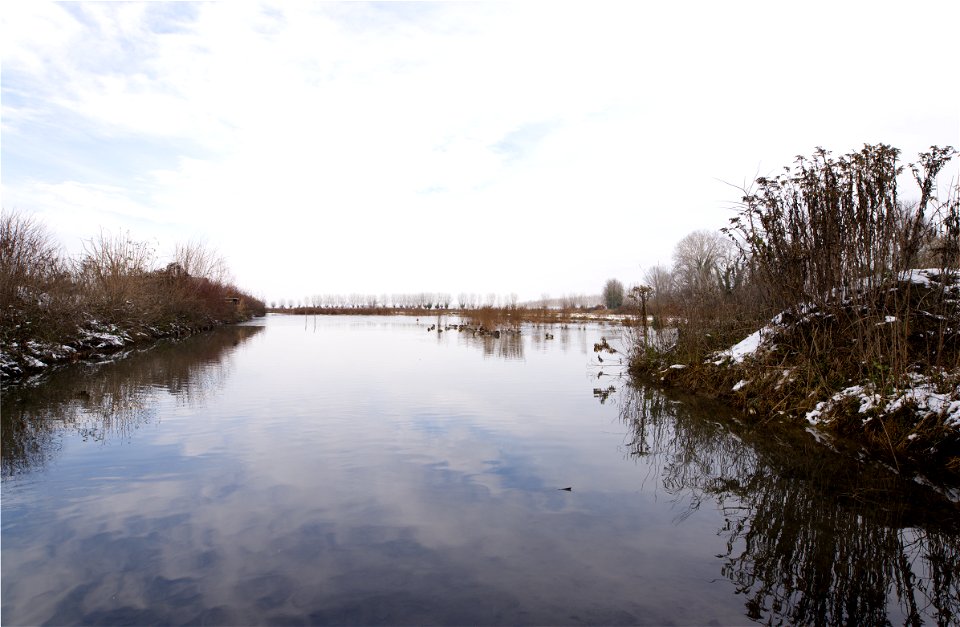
[[833, 234], [809, 359], [494, 318]]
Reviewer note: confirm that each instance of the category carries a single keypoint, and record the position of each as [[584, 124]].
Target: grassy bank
[[55, 309], [804, 366], [823, 316]]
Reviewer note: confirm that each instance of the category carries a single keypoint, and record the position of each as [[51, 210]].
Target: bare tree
[[198, 260], [661, 280], [698, 259]]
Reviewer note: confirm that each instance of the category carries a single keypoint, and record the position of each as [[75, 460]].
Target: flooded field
[[364, 470]]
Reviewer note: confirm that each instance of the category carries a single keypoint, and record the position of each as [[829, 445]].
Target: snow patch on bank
[[93, 338], [921, 395], [753, 343], [747, 347], [932, 277]]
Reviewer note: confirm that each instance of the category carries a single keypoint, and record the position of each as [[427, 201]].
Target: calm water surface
[[362, 470]]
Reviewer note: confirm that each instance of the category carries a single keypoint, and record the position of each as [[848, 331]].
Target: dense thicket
[[832, 237], [47, 297], [848, 296]]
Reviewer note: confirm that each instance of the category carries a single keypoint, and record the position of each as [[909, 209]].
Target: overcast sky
[[535, 147]]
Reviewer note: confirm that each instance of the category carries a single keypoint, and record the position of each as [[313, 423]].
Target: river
[[364, 470]]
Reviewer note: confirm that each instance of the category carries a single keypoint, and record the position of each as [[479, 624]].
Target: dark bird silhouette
[[566, 489]]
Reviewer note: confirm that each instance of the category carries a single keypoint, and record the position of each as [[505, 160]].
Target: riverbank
[[907, 416], [56, 309], [93, 340]]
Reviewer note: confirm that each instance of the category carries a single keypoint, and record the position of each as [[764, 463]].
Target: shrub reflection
[[114, 399], [812, 536]]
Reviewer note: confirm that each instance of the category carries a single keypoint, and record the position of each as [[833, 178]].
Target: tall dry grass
[[832, 241]]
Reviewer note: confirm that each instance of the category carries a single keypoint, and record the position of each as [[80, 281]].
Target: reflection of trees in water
[[508, 346], [112, 400], [812, 536], [544, 336]]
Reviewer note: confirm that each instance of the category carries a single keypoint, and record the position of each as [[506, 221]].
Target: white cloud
[[507, 147]]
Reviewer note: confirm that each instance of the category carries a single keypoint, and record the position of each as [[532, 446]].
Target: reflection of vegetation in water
[[604, 393], [113, 400], [506, 345], [812, 536]]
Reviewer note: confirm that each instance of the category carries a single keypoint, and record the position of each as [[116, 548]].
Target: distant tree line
[[431, 301]]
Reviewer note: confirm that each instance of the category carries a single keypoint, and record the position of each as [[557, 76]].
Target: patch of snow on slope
[[927, 276], [745, 348], [33, 362], [925, 398], [922, 396]]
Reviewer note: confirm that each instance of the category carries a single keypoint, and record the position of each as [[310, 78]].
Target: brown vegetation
[[826, 250], [489, 317], [51, 306], [835, 236], [417, 302]]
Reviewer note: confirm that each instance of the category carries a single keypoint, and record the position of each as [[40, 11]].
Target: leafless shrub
[[197, 260], [34, 282], [111, 272], [832, 237], [28, 255], [701, 296], [45, 297], [942, 250]]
